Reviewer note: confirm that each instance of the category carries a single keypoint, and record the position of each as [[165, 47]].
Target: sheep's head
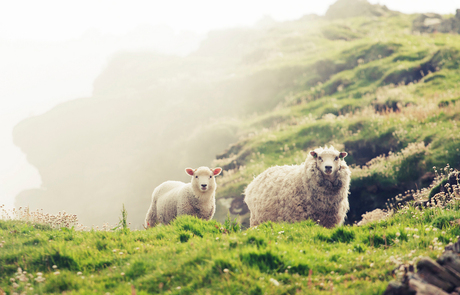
[[328, 160], [203, 178]]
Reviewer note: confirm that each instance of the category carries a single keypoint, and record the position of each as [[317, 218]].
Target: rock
[[450, 262], [375, 215], [432, 277], [238, 206], [455, 248], [422, 288], [432, 22], [426, 22], [433, 273], [397, 288]]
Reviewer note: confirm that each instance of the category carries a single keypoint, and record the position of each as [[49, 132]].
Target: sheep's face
[[328, 161], [203, 178]]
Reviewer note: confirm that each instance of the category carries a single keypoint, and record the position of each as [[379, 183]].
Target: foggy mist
[[149, 118], [136, 108], [36, 75]]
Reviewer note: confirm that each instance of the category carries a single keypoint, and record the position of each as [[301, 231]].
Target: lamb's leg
[[151, 218]]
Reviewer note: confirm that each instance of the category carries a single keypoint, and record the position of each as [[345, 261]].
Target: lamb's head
[[328, 160], [203, 178]]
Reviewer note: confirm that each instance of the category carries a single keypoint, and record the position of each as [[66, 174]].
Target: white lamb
[[317, 189], [173, 198]]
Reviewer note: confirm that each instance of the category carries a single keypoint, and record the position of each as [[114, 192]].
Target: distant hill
[[356, 8], [248, 99], [151, 116]]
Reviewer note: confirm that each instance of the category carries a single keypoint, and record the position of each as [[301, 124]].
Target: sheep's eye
[[336, 158], [320, 159], [196, 176], [210, 176]]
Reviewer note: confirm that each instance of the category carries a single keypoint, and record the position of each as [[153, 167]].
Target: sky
[[60, 20], [51, 50]]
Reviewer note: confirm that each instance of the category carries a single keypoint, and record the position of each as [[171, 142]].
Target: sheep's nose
[[204, 185], [328, 167]]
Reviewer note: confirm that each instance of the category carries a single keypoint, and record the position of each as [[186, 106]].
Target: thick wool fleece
[[300, 192], [174, 198]]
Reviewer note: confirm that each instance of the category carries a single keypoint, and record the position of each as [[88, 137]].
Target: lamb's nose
[[328, 167], [204, 185]]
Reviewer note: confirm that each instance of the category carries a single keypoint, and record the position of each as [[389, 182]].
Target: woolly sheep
[[173, 198], [317, 189]]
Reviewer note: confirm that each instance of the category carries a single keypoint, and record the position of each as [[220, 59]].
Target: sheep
[[317, 189], [173, 198]]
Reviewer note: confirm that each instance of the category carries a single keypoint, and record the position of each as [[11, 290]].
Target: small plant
[[38, 217], [231, 225], [184, 237], [123, 223], [342, 235]]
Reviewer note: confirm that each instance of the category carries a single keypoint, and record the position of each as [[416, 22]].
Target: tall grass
[[193, 256]]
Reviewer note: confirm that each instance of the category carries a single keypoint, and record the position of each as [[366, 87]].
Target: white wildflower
[[274, 282]]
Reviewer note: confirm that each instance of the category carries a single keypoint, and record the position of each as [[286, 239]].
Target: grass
[[192, 256], [370, 87]]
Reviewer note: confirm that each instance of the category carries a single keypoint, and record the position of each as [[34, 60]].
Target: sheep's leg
[[151, 218], [253, 221]]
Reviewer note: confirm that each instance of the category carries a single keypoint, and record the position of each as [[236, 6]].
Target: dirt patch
[[326, 68], [362, 151], [388, 106], [443, 58], [234, 149], [449, 102], [365, 197], [336, 85], [238, 161], [412, 75]]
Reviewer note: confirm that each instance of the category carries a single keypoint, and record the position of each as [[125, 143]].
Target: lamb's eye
[[210, 176], [336, 158], [196, 176], [320, 159]]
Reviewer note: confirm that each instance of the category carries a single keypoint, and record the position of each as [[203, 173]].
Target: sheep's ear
[[314, 154], [343, 155], [217, 170], [189, 171]]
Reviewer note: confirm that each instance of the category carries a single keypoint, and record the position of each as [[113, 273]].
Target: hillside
[[368, 84]]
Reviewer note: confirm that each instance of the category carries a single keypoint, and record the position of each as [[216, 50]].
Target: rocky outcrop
[[432, 277], [432, 22]]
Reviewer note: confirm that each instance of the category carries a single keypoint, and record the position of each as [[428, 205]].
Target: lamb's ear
[[217, 170], [314, 154], [189, 171], [343, 155]]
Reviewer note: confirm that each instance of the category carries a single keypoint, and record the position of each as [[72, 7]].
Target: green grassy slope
[[193, 256]]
